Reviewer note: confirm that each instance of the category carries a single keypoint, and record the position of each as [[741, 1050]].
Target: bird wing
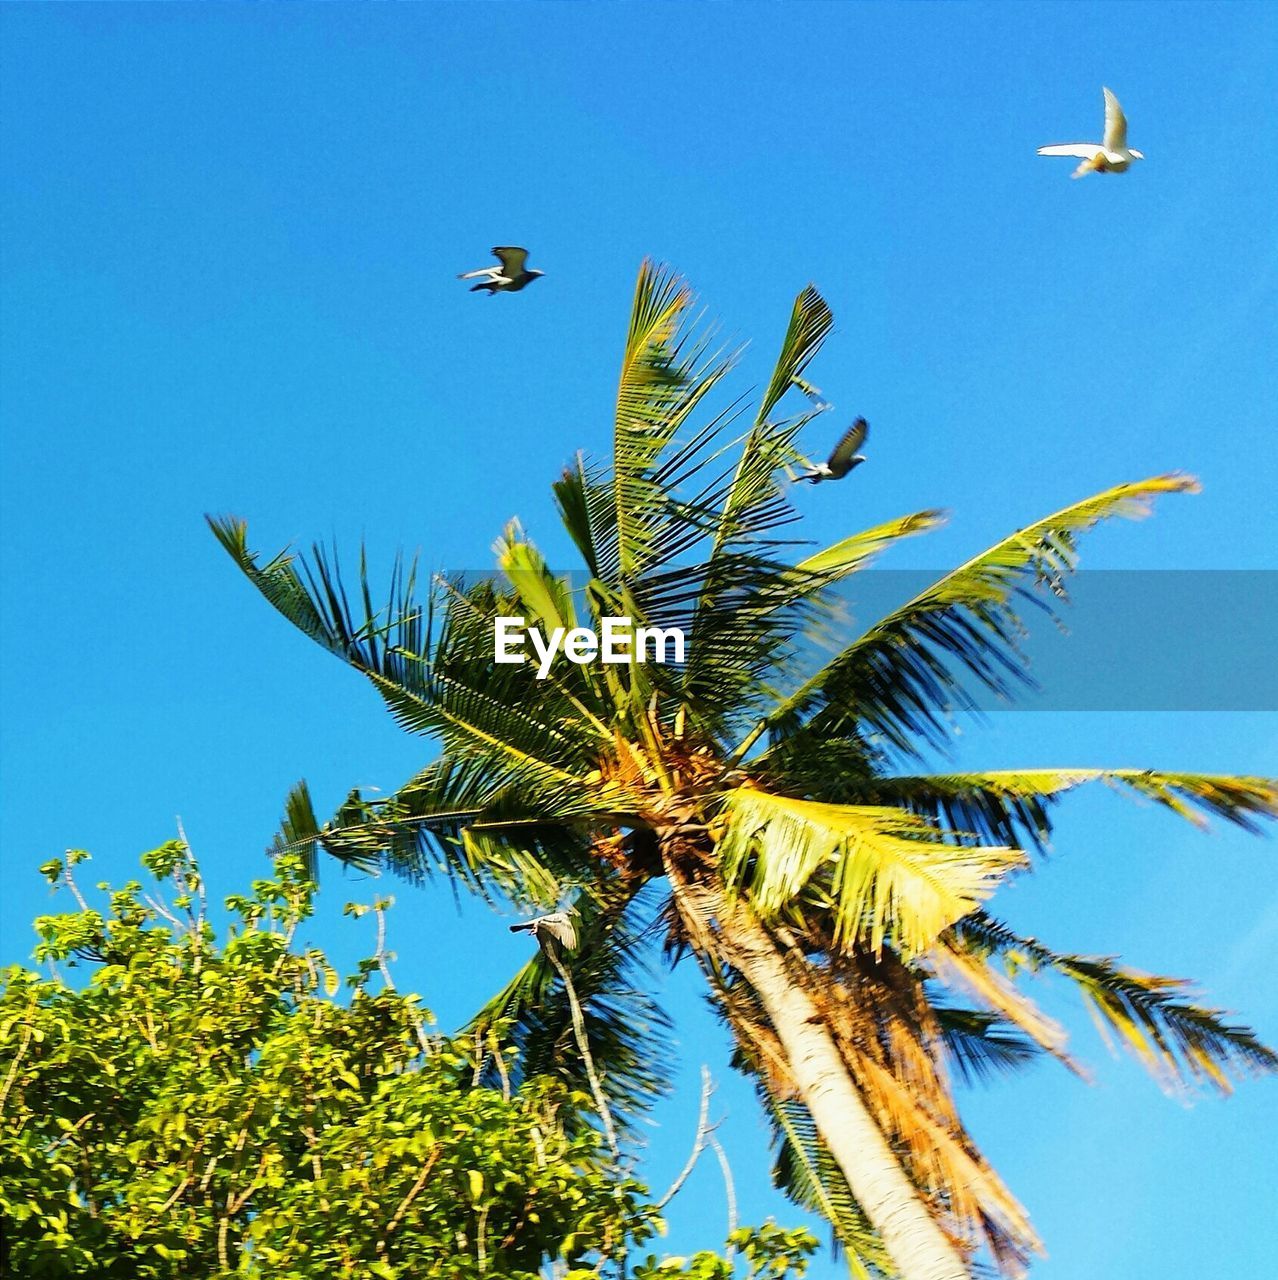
[[512, 259], [483, 271], [1115, 124], [562, 929], [853, 439], [1083, 150]]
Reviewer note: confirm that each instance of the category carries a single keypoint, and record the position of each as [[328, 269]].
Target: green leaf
[[902, 676]]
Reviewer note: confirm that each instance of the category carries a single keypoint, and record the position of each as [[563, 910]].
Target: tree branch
[[413, 1192], [579, 1028], [698, 1142], [729, 1189]]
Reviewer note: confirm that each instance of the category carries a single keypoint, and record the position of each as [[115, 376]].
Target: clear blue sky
[[230, 236]]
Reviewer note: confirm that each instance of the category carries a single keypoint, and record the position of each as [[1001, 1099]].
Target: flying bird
[[509, 276], [557, 925], [1111, 156], [843, 459]]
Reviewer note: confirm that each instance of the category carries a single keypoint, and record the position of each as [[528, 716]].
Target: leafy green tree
[[213, 1109], [834, 893]]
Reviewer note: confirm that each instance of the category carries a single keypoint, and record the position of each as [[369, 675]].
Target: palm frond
[[811, 1178], [298, 829], [471, 721], [664, 376], [314, 599], [628, 1033], [1181, 1042], [1012, 806], [739, 592], [459, 818], [904, 677], [810, 322], [981, 1044], [881, 873], [548, 599], [972, 970], [751, 606], [589, 514], [851, 554]]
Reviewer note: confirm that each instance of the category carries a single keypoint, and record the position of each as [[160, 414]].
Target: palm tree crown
[[834, 895]]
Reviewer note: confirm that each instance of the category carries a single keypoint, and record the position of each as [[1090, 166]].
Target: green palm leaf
[[664, 377], [810, 322], [902, 677], [1181, 1042], [981, 1044], [1011, 806], [586, 505], [298, 829], [735, 626], [314, 599], [628, 1033], [809, 1176]]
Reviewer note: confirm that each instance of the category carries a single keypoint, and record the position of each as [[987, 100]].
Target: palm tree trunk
[[916, 1243]]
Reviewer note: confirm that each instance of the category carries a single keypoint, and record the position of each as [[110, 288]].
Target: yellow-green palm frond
[[810, 322], [665, 374], [547, 598], [1012, 805], [904, 676], [1180, 1042], [851, 554], [879, 873]]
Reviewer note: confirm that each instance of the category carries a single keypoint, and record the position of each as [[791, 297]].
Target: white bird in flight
[[1111, 156], [558, 925], [508, 276]]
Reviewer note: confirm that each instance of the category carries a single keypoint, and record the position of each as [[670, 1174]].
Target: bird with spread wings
[[508, 276], [557, 925], [1111, 156], [844, 458]]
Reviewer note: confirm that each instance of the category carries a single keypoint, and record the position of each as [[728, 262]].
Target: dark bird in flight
[[557, 925], [843, 459], [509, 276]]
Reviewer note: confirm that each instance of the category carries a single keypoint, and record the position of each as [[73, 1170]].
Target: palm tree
[[760, 810]]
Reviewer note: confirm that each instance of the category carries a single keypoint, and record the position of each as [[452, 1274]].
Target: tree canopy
[[231, 1106]]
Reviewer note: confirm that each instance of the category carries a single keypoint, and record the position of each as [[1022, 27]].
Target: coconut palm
[[757, 807]]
